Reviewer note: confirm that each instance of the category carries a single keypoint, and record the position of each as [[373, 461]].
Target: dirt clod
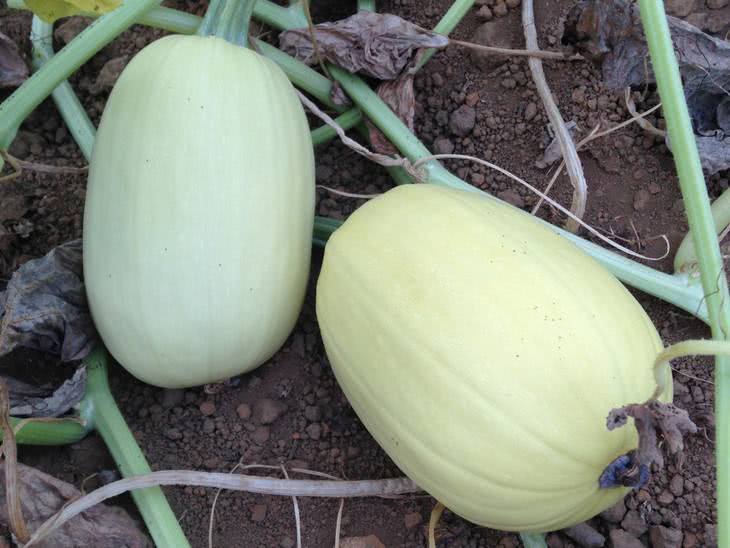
[[71, 28], [258, 512], [586, 536], [462, 120], [261, 434], [492, 33], [717, 4], [621, 539], [665, 537], [266, 410], [371, 541], [314, 430], [109, 74], [634, 523], [679, 8], [243, 411], [412, 520], [485, 13], [615, 513], [207, 408]]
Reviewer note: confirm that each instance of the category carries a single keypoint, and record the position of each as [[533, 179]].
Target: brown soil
[[633, 194]]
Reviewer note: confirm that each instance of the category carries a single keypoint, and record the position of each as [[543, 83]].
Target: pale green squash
[[199, 212], [484, 353]]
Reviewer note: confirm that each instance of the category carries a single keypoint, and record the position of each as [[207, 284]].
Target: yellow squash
[[484, 352]]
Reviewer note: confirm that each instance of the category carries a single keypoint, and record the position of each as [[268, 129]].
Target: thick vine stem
[[675, 289], [685, 260], [704, 235], [228, 19], [161, 522], [35, 89], [572, 161]]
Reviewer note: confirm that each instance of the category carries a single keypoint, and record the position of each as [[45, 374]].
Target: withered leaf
[[13, 69], [27, 400], [44, 306], [41, 496], [399, 95], [610, 32], [375, 44], [655, 420], [338, 95]]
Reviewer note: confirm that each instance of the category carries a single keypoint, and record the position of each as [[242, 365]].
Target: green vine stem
[[533, 540], [348, 120], [448, 23], [672, 288], [109, 422], [704, 236], [301, 75], [684, 349], [35, 89], [675, 289], [366, 5], [50, 431], [78, 122], [685, 260], [228, 19]]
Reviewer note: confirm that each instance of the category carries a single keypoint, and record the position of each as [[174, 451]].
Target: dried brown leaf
[[43, 495], [399, 95], [375, 44], [13, 69], [655, 420], [338, 95], [16, 520]]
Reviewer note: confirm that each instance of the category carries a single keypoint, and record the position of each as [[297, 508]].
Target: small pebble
[[615, 513], [412, 520], [665, 537], [676, 486], [313, 413], [665, 498], [530, 111], [258, 512], [622, 539], [244, 411], [314, 430], [500, 10], [641, 200], [266, 410], [586, 536], [173, 434], [207, 408], [485, 13], [634, 524], [260, 435], [462, 120]]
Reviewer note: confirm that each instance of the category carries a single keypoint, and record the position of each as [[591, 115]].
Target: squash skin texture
[[199, 212], [484, 352]]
